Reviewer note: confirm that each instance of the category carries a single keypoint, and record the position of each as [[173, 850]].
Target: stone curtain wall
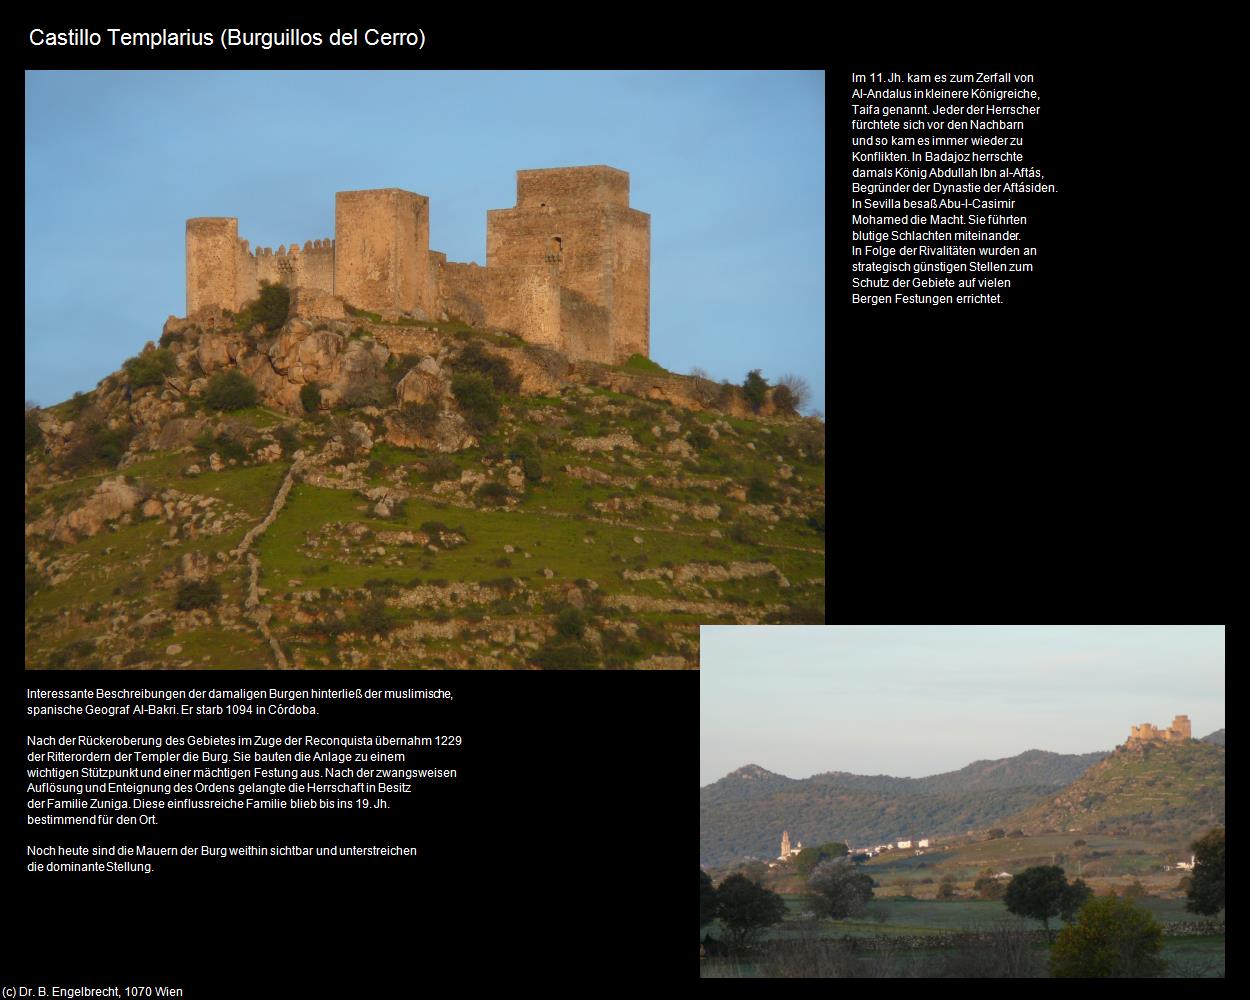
[[521, 300], [309, 267]]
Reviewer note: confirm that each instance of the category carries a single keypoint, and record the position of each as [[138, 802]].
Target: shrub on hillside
[[570, 623], [230, 390], [93, 443], [34, 433], [759, 490], [473, 358], [194, 594], [310, 397], [230, 449], [493, 493], [269, 308], [525, 450], [419, 417], [754, 389], [150, 368], [476, 397], [373, 618]]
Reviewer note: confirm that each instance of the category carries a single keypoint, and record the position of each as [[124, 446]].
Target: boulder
[[112, 499], [424, 384]]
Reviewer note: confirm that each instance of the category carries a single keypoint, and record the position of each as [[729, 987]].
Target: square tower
[[220, 270], [1181, 726], [576, 221], [382, 250]]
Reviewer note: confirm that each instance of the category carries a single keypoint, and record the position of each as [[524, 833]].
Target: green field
[[1187, 957]]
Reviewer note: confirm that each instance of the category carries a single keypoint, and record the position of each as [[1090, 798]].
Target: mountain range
[[1159, 790], [744, 812]]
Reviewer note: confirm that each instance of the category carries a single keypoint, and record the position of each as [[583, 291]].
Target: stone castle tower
[[1148, 733], [569, 267], [785, 844]]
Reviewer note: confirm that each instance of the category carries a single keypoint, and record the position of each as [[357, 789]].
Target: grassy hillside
[[1156, 790], [581, 528]]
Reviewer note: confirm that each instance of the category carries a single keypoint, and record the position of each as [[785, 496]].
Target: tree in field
[[1040, 892], [1112, 938], [808, 858], [996, 834], [1076, 896], [1206, 888], [946, 889], [708, 902], [989, 887], [841, 890], [746, 909]]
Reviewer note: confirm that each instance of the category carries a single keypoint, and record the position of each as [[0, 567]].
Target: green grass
[[637, 363], [555, 542], [251, 488]]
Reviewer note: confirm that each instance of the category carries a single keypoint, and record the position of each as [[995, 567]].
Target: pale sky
[[729, 165], [918, 700]]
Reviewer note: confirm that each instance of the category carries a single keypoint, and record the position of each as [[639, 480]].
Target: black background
[[1062, 453], [557, 851]]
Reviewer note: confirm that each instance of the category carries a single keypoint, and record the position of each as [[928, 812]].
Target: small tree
[[807, 859], [1037, 892], [709, 905], [269, 309], [996, 834], [946, 889], [1076, 896], [230, 390], [475, 394], [989, 887], [747, 908], [1206, 888], [150, 367], [840, 890], [754, 388], [1111, 938], [797, 389]]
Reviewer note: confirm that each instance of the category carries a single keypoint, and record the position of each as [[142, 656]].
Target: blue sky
[[916, 700], [729, 165]]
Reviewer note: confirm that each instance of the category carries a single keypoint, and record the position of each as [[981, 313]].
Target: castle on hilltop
[[569, 267], [1147, 733]]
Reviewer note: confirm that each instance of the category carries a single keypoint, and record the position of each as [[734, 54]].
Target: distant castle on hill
[[1148, 733]]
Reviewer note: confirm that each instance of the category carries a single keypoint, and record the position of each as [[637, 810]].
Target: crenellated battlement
[[310, 246], [569, 267]]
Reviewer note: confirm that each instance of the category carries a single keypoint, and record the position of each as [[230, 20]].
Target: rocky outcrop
[[426, 383], [112, 500], [448, 433]]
